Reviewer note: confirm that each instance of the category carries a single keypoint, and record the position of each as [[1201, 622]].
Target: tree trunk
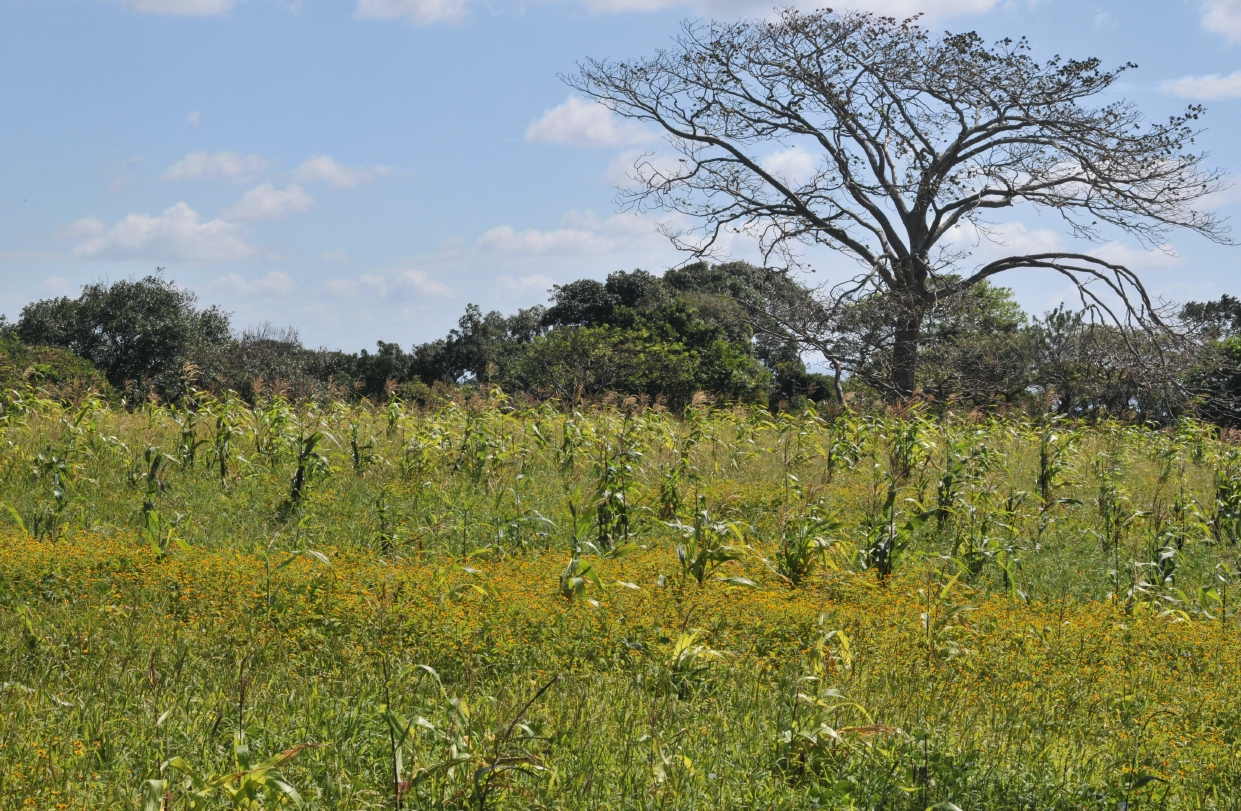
[[905, 354]]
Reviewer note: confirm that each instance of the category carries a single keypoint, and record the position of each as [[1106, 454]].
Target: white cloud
[[321, 168], [391, 283], [523, 284], [274, 284], [181, 8], [505, 239], [585, 123], [419, 12], [54, 286], [642, 163], [794, 165], [195, 118], [508, 267], [1119, 253], [266, 202], [422, 12], [1226, 196], [1223, 17], [1208, 88], [336, 257], [934, 9], [216, 166], [177, 234], [84, 228], [988, 243]]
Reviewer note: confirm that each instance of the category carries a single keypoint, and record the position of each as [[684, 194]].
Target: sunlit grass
[[1051, 627]]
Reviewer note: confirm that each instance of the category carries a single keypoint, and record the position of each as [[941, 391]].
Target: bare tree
[[912, 135]]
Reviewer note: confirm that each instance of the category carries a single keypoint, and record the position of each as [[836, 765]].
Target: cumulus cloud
[[323, 169], [629, 167], [794, 165], [266, 202], [54, 286], [419, 12], [523, 284], [177, 234], [181, 8], [422, 12], [84, 228], [195, 118], [988, 243], [273, 284], [1207, 88], [586, 123], [1120, 253], [934, 9], [216, 166], [336, 257], [1227, 196], [390, 283], [509, 267], [1223, 17]]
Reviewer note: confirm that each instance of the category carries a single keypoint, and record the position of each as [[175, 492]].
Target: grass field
[[497, 607]]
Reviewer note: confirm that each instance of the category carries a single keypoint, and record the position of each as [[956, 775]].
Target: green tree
[[139, 332], [913, 134]]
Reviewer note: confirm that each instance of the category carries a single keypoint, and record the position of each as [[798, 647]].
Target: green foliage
[[1007, 635], [704, 549], [246, 786], [139, 332]]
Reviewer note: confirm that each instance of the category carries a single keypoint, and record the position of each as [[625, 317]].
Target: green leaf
[[153, 795], [739, 581]]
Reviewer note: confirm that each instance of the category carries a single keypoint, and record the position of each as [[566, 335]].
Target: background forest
[[719, 330]]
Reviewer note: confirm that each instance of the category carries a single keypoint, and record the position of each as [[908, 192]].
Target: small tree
[[911, 136], [138, 332]]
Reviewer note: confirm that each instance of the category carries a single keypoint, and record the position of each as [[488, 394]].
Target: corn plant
[[704, 550], [576, 577], [690, 662], [682, 470], [222, 439], [616, 471], [812, 742], [1226, 515], [361, 452], [469, 763], [387, 532], [803, 544], [47, 517], [1055, 445], [247, 786], [907, 451], [161, 534], [887, 541], [189, 443], [1115, 515], [940, 619], [307, 460]]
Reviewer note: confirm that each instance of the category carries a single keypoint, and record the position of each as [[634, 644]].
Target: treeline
[[732, 331]]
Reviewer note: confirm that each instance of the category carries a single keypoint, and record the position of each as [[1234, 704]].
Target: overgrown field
[[495, 607]]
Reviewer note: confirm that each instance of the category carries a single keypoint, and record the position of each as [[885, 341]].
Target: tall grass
[[491, 606]]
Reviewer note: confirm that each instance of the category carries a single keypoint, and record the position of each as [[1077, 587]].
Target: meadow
[[495, 605]]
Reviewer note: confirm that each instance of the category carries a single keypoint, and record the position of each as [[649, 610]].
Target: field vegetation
[[218, 605]]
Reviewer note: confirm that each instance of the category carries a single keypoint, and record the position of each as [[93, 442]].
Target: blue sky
[[361, 169]]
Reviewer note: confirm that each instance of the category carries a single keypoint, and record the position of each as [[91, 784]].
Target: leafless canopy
[[903, 135]]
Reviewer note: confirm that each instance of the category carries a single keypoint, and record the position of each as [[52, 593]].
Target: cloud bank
[[228, 166], [266, 202], [579, 122], [176, 235], [1205, 88], [323, 169], [182, 8]]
